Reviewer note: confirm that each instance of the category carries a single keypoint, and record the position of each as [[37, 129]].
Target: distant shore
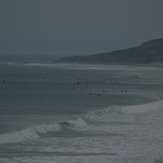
[[149, 53]]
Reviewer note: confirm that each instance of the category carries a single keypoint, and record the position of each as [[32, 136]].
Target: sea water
[[55, 113]]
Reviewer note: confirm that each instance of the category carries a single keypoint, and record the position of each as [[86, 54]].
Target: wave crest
[[115, 111], [33, 132], [19, 136]]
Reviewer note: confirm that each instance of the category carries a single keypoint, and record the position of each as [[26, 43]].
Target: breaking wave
[[33, 133], [120, 114], [18, 136], [143, 108], [123, 110]]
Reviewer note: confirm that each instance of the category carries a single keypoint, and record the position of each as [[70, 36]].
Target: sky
[[77, 27]]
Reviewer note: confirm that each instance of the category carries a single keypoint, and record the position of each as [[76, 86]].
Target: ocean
[[74, 113]]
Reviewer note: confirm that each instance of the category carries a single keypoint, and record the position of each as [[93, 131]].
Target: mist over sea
[[74, 113]]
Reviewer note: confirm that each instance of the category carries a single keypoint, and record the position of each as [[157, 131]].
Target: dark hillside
[[147, 53]]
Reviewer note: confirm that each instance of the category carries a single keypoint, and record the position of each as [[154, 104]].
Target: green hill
[[150, 52]]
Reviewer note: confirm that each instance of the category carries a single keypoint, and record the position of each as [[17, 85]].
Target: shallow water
[[81, 113]]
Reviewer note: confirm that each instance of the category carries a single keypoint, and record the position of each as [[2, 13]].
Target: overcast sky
[[77, 26]]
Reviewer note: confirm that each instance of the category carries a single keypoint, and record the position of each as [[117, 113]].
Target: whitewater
[[74, 113]]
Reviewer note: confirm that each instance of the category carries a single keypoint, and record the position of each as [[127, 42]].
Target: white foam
[[48, 128], [130, 109], [77, 124], [18, 136], [33, 132], [28, 133], [103, 113], [142, 108]]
